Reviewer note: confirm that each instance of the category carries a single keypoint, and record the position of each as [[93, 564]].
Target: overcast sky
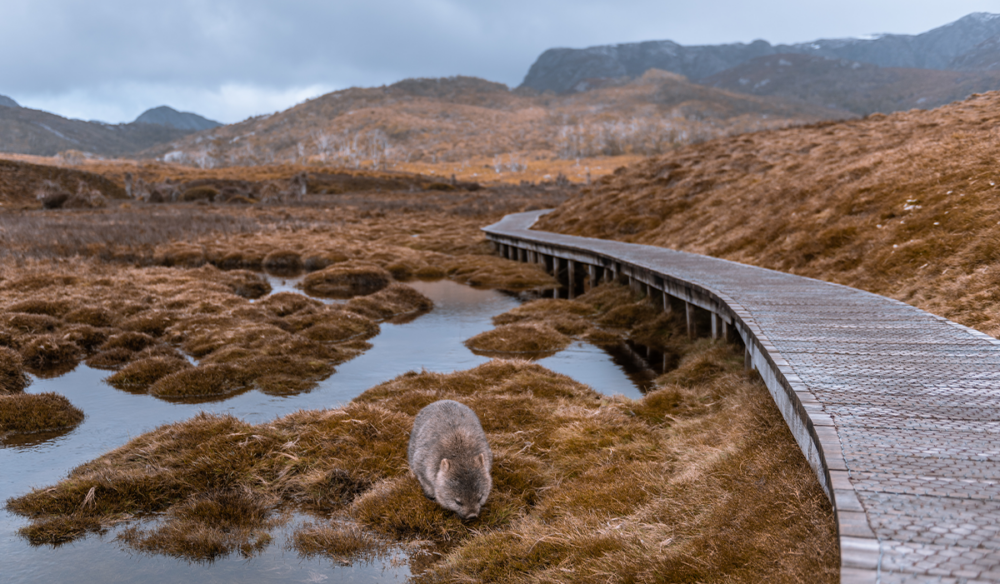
[[110, 60]]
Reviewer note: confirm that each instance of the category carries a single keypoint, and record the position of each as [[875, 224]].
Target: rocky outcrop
[[860, 88], [561, 70], [8, 102]]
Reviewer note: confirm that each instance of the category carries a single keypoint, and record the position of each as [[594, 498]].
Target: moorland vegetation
[[708, 484], [905, 205], [718, 486], [475, 129], [700, 479]]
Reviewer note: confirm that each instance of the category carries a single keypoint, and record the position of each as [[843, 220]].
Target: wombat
[[451, 457]]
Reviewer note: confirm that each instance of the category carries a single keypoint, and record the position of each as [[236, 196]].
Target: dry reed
[[902, 205]]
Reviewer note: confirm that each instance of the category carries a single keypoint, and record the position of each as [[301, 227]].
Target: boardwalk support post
[[571, 276], [715, 326], [689, 316]]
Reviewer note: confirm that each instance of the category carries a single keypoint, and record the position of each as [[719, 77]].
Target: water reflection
[[433, 341], [288, 282]]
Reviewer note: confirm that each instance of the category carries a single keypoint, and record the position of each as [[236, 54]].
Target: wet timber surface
[[898, 410]]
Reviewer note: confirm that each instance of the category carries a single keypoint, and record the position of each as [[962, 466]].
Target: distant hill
[[903, 205], [983, 57], [168, 116], [460, 118], [29, 131], [561, 70], [8, 102], [21, 183], [857, 87]]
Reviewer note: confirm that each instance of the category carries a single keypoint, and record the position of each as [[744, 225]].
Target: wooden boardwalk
[[897, 410]]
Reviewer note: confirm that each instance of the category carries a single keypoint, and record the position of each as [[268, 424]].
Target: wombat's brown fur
[[451, 457]]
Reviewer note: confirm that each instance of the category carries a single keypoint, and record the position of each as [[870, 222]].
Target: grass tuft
[[13, 379], [49, 355], [205, 381], [533, 339], [139, 376], [27, 413], [346, 281], [208, 526], [343, 542]]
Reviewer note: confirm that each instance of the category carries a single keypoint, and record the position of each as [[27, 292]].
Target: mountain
[[29, 131], [983, 57], [561, 70], [459, 119], [168, 116], [857, 87], [8, 102]]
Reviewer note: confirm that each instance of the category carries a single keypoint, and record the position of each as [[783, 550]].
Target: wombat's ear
[[445, 465], [481, 460]]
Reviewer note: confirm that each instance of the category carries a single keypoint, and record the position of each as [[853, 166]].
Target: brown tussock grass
[[346, 543], [24, 413], [605, 315], [210, 380], [209, 526], [140, 375], [116, 316], [534, 340], [401, 233], [50, 355], [12, 376], [56, 531], [346, 281], [902, 205], [397, 300], [487, 271], [703, 482], [279, 345], [557, 443]]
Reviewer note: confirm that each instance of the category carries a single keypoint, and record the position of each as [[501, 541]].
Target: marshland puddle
[[432, 341]]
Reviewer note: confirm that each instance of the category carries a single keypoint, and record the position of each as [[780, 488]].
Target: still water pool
[[433, 341]]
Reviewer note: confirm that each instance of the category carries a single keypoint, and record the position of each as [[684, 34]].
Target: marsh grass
[[530, 340], [12, 376], [346, 281], [902, 205], [139, 376], [50, 355], [589, 484], [687, 481], [703, 482], [606, 315], [24, 413], [280, 345], [209, 526], [345, 542]]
